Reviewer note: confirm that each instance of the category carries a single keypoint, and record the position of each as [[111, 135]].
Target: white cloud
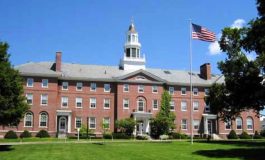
[[214, 48], [238, 23]]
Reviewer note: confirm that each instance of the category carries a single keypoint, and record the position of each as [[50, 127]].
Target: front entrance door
[[62, 125], [140, 128], [210, 127]]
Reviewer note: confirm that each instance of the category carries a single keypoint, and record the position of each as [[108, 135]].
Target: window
[[78, 122], [28, 119], [228, 125], [206, 91], [184, 124], [207, 108], [44, 83], [125, 103], [183, 91], [195, 106], [196, 124], [43, 119], [78, 102], [141, 88], [64, 102], [183, 106], [154, 89], [93, 86], [106, 87], [79, 86], [106, 123], [65, 86], [238, 123], [126, 88], [171, 90], [155, 104], [93, 102], [172, 105], [195, 92], [29, 97], [106, 103], [141, 105], [44, 99], [249, 123], [30, 82], [92, 122]]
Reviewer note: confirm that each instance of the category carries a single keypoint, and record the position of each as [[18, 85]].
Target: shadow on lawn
[[4, 148], [242, 153], [237, 143]]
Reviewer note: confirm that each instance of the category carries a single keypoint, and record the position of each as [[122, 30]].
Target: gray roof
[[112, 73]]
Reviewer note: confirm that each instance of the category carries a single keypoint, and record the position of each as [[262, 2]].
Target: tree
[[244, 87], [163, 123], [126, 125], [12, 101]]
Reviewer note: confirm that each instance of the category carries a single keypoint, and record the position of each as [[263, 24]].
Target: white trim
[[170, 103], [81, 100], [169, 90], [108, 121], [194, 105], [125, 87], [66, 101], [185, 124], [32, 120], [47, 120], [94, 90], [81, 85], [156, 104], [104, 102], [197, 90], [90, 102], [105, 87], [184, 101], [140, 87], [124, 99], [183, 89], [31, 99], [80, 121], [41, 98], [89, 119], [67, 84], [32, 82], [156, 89], [42, 82], [241, 123]]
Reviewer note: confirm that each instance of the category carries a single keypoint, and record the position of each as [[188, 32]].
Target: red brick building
[[63, 96]]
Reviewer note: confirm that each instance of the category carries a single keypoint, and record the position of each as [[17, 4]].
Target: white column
[[147, 126], [205, 125], [69, 123], [134, 132]]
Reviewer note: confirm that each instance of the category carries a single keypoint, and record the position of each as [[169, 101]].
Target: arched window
[[239, 123], [141, 105], [43, 119], [249, 123], [28, 119]]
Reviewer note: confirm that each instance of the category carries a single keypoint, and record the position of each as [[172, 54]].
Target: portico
[[142, 123], [209, 123], [63, 122]]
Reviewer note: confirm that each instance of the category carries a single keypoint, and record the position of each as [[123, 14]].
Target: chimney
[[58, 61], [206, 71]]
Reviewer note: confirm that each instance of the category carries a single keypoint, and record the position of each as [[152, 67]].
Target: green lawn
[[178, 150]]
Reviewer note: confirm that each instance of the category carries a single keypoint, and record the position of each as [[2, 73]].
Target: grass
[[139, 150]]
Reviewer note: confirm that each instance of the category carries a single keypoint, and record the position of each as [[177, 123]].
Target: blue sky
[[93, 31]]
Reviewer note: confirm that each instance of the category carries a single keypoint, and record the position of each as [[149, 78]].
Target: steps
[[216, 137]]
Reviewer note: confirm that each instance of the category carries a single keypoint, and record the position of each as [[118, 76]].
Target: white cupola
[[132, 59]]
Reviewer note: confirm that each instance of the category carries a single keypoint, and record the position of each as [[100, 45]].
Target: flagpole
[[191, 90]]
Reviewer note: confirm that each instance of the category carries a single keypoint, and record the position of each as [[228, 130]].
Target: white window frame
[[196, 123], [64, 99], [79, 85], [93, 86], [107, 87], [106, 119], [228, 123], [126, 88], [106, 101], [154, 89], [184, 124], [247, 123], [28, 95], [43, 82], [172, 103], [79, 120], [65, 84], [171, 90], [155, 105], [140, 88], [92, 123], [28, 80], [182, 106], [193, 106], [79, 100], [126, 101], [141, 101], [240, 125], [42, 98], [46, 120], [31, 119], [195, 90], [93, 101], [183, 89]]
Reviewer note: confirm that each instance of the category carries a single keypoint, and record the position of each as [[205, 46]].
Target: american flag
[[201, 33]]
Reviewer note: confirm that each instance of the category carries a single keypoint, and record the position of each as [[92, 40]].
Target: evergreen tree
[[12, 101]]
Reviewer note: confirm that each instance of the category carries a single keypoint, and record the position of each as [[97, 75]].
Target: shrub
[[262, 133], [120, 136], [163, 137], [142, 137], [11, 135], [42, 134], [107, 136], [25, 134], [244, 135], [232, 135], [176, 135], [257, 135], [126, 125]]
